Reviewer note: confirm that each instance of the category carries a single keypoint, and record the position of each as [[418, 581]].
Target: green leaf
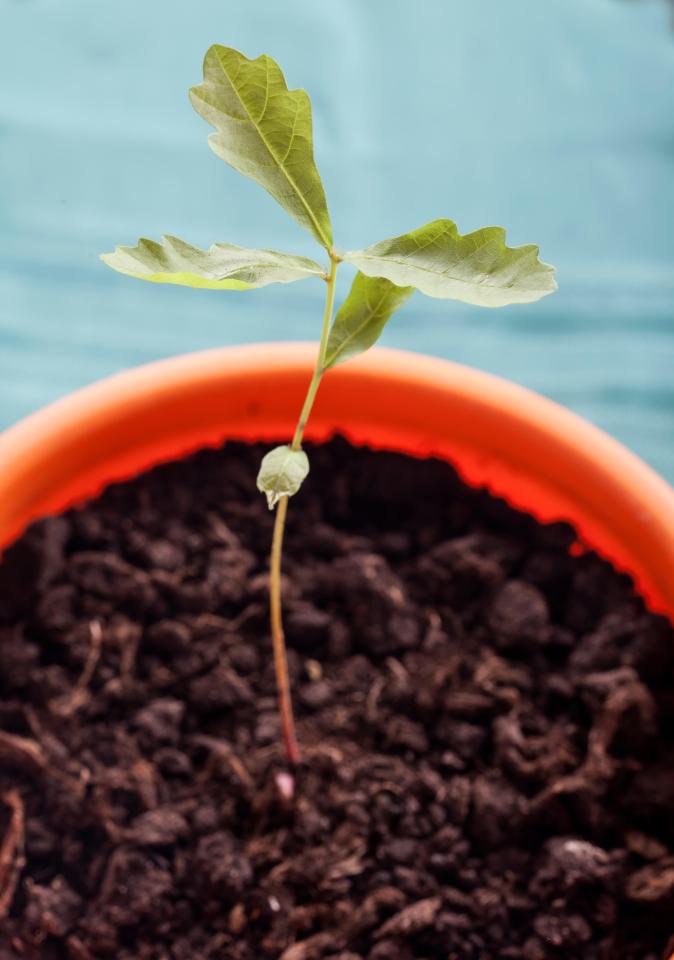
[[478, 268], [264, 131], [282, 473], [362, 317], [223, 267]]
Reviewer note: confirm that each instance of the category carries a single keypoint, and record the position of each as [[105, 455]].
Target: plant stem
[[275, 595], [320, 360], [278, 638]]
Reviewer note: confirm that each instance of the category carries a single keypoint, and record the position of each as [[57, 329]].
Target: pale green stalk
[[275, 595]]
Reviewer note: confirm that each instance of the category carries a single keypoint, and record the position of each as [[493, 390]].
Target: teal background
[[553, 118]]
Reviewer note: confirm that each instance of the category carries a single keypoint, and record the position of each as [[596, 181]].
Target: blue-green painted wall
[[554, 118]]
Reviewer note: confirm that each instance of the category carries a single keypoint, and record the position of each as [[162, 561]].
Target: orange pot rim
[[404, 365], [592, 457]]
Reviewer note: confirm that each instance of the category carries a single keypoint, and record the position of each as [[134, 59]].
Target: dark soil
[[486, 714]]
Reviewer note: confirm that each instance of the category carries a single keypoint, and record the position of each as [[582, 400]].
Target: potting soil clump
[[486, 714]]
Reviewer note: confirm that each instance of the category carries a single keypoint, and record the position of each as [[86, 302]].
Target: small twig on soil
[[220, 750], [372, 702], [145, 777], [12, 857], [109, 878], [77, 950], [599, 766], [326, 751], [127, 660], [313, 946], [248, 612], [80, 692], [21, 752]]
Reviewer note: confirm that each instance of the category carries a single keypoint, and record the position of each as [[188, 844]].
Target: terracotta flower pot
[[537, 455], [522, 446]]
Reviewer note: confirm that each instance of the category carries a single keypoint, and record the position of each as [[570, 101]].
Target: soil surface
[[486, 715]]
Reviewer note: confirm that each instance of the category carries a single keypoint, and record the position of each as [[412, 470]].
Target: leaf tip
[[193, 94], [110, 259]]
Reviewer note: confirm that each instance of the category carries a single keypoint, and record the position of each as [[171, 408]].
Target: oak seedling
[[264, 130]]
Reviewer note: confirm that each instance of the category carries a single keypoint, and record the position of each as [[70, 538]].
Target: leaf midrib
[[280, 163], [433, 273], [270, 265]]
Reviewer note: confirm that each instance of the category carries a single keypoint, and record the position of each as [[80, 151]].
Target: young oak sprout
[[264, 130]]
